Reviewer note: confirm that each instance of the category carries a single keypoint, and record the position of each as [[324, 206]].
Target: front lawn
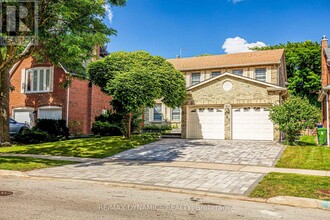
[[88, 147], [306, 156], [281, 184], [28, 163]]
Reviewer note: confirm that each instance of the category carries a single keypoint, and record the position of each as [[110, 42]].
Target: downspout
[[67, 105]]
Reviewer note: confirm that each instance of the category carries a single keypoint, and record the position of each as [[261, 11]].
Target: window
[[214, 74], [158, 112], [38, 80], [50, 112], [261, 74], [176, 114], [238, 72], [195, 78]]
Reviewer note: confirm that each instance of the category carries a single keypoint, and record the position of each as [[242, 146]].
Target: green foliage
[[294, 115], [55, 128], [156, 128], [32, 136], [136, 79], [112, 124], [303, 63]]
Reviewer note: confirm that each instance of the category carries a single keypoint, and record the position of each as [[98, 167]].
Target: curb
[[280, 200], [300, 202], [13, 173]]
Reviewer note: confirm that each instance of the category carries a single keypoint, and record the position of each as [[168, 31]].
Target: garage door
[[252, 123], [50, 113], [206, 123], [24, 116]]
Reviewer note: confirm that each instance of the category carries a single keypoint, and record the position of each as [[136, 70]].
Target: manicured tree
[[303, 63], [294, 115], [136, 80], [67, 32]]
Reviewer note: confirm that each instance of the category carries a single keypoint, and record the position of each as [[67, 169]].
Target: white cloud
[[238, 44], [235, 1], [109, 12]]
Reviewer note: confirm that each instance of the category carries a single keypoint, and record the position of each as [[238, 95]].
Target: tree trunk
[[129, 122], [4, 106]]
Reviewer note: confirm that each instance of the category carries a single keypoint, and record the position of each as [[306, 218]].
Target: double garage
[[247, 123]]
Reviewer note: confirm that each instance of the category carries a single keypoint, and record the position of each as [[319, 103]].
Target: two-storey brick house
[[40, 93], [228, 96]]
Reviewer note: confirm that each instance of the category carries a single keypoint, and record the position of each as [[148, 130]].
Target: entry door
[[206, 123], [252, 123]]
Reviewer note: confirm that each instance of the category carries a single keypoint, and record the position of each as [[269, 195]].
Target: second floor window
[[261, 74], [238, 72], [158, 112], [38, 80], [214, 74], [195, 78]]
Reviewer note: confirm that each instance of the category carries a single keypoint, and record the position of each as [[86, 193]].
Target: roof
[[327, 53], [229, 60], [239, 77]]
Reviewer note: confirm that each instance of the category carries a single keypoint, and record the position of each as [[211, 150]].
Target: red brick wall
[[55, 98], [325, 68], [86, 102]]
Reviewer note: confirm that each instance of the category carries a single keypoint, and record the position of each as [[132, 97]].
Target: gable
[[232, 90]]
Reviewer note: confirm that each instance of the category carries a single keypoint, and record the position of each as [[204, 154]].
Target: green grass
[[306, 156], [28, 163], [89, 147], [280, 184]]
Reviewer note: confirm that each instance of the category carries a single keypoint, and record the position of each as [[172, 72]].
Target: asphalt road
[[59, 199]]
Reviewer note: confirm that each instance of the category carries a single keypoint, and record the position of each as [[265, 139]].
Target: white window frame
[[194, 82], [161, 112], [50, 108], [176, 120], [258, 77], [44, 83]]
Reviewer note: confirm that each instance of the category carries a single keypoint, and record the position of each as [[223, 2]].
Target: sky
[[163, 27]]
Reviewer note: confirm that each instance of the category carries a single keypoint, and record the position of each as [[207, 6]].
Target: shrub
[[55, 128], [293, 116], [114, 121], [156, 128], [32, 136], [105, 129]]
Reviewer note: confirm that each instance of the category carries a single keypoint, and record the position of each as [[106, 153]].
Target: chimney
[[325, 67]]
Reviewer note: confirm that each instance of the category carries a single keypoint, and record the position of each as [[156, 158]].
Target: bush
[[55, 128], [32, 136], [156, 128], [105, 129], [115, 122], [293, 116]]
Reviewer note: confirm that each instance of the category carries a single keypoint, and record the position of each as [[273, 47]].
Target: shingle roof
[[327, 52], [229, 60]]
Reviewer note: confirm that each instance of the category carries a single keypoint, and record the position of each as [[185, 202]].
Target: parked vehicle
[[16, 127]]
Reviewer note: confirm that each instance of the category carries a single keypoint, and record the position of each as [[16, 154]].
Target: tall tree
[[303, 61], [67, 33], [136, 80]]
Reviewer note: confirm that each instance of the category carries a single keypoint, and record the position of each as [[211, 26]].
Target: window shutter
[[51, 85], [23, 75]]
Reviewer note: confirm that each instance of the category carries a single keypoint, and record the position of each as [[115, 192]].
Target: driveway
[[254, 153], [143, 165]]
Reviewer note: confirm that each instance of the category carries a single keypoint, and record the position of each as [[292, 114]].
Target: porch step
[[171, 135]]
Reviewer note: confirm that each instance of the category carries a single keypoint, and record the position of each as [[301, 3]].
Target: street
[[36, 198]]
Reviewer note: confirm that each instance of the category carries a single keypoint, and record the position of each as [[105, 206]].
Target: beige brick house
[[228, 96]]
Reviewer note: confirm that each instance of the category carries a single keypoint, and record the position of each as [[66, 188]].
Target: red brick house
[[324, 94], [40, 93]]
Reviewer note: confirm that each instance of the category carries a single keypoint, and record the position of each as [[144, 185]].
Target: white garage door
[[252, 123], [24, 116], [50, 113], [206, 123]]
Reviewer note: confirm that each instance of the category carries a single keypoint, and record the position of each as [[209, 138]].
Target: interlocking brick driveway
[[139, 166], [261, 153]]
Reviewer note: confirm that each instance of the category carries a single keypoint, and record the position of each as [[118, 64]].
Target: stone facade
[[243, 93]]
